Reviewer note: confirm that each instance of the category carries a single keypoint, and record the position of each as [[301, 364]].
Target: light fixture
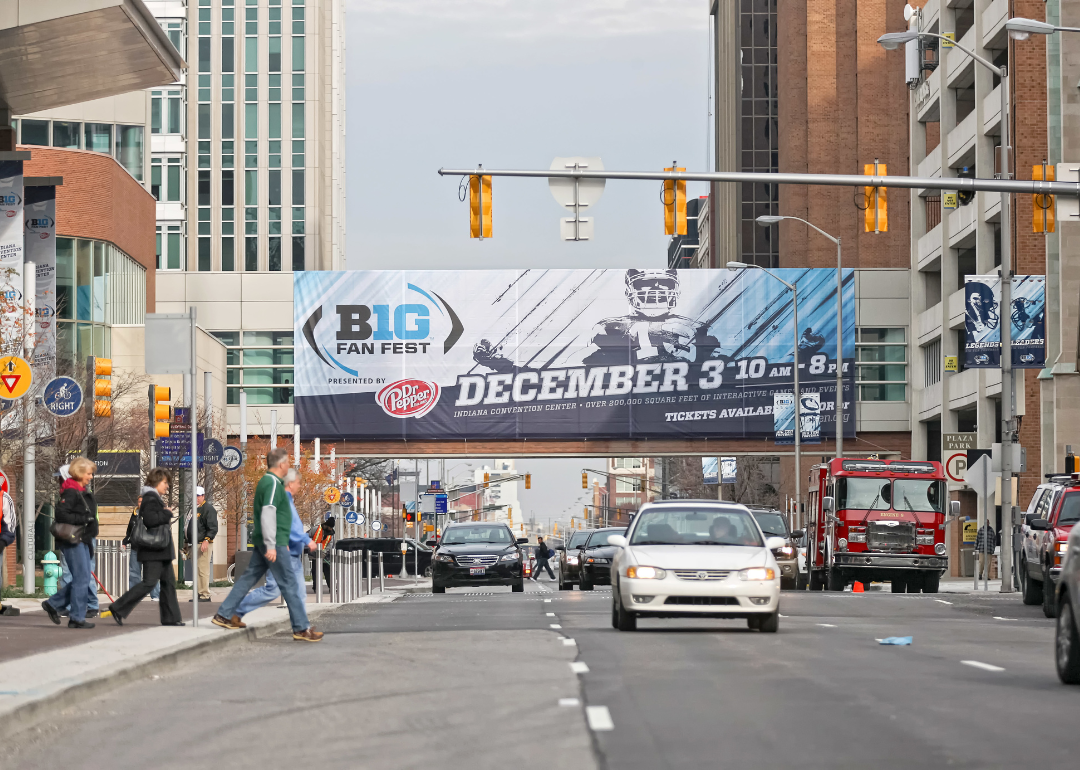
[[736, 265], [893, 40], [1022, 29], [768, 219]]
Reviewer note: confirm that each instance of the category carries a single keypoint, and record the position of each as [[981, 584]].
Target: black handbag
[[69, 534], [149, 538]]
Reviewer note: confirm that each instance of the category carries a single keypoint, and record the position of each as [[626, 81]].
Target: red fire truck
[[878, 520]]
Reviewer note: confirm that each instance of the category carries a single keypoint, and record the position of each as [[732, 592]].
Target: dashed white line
[[999, 618], [569, 702], [555, 625], [599, 718], [942, 601], [547, 601], [783, 616], [568, 642], [551, 614], [826, 625], [983, 666], [579, 667]]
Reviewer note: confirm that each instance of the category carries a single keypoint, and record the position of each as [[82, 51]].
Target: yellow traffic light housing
[[528, 481], [479, 207], [487, 479], [877, 213], [674, 199], [161, 411], [584, 480], [1043, 205], [102, 368]]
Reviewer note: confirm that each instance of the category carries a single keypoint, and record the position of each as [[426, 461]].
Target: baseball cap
[[199, 491]]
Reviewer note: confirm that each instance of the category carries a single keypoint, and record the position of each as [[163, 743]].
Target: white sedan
[[695, 558]]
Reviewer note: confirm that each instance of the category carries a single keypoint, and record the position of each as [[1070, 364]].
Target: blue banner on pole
[[727, 470], [709, 471], [982, 300], [1028, 321]]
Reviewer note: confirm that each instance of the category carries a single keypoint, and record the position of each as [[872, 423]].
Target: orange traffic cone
[[857, 588]]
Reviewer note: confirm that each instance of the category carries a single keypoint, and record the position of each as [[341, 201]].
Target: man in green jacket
[[270, 534]]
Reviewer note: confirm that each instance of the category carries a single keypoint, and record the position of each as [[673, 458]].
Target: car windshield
[[598, 539], [917, 495], [477, 534], [862, 494], [579, 539], [771, 523], [1070, 509], [695, 526]]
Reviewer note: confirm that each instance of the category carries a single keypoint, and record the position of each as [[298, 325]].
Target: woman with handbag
[[74, 528], [151, 537]]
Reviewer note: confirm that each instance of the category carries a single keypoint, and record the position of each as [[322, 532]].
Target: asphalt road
[[479, 679]]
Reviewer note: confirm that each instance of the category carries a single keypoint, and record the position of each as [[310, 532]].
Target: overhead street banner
[[982, 311], [565, 353]]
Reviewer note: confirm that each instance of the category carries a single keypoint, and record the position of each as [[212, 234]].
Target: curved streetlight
[[795, 368], [766, 221], [1022, 29]]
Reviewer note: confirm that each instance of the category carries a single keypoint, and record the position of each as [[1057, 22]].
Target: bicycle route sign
[[63, 396]]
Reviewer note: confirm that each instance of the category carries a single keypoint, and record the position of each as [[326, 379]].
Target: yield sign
[[16, 378]]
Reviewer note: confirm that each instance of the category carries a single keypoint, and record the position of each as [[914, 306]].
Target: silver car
[[1067, 602]]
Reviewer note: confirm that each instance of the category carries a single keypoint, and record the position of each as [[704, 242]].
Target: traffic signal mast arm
[[960, 184], [623, 476], [481, 484]]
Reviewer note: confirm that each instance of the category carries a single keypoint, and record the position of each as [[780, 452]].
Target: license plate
[[477, 570]]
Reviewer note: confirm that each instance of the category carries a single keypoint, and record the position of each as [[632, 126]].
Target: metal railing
[[933, 211], [112, 564], [346, 574]]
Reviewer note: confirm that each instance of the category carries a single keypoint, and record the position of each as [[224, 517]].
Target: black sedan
[[596, 558], [472, 554], [570, 559]]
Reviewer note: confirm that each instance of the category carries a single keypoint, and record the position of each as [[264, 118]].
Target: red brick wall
[[100, 200]]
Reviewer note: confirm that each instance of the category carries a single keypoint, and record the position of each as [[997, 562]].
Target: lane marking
[[999, 618], [783, 616], [579, 667], [547, 601], [551, 614], [599, 718], [942, 601], [569, 702], [826, 625], [555, 625], [567, 642], [983, 666]]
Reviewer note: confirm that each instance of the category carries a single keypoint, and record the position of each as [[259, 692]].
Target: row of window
[[881, 364], [123, 142], [260, 363], [167, 109], [171, 244], [97, 282]]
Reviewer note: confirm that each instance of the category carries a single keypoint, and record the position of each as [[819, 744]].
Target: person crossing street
[[543, 553]]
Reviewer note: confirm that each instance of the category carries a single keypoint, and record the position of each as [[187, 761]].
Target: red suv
[[1045, 551]]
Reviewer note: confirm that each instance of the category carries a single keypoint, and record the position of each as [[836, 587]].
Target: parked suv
[[774, 524], [1045, 543], [570, 560]]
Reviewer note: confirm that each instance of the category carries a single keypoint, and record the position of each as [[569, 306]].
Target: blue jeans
[[268, 592], [76, 591], [135, 574], [65, 578], [282, 570]]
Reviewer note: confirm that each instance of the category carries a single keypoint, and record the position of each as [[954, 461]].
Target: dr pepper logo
[[408, 398]]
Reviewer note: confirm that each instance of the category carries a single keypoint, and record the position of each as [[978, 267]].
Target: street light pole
[[891, 41], [794, 289], [767, 220]]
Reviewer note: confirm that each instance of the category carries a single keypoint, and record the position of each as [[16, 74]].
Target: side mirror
[[1040, 524], [1030, 517], [772, 543], [522, 540], [560, 548], [828, 505], [954, 509], [432, 543], [796, 534], [617, 540]]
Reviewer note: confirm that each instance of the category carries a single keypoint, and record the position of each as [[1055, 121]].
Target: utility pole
[[242, 545]]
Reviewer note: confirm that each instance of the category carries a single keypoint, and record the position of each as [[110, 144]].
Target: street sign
[[971, 531], [576, 195], [211, 451], [376, 525], [63, 396], [347, 500], [231, 458], [351, 517], [952, 363], [952, 442], [956, 466], [954, 447], [980, 478], [16, 377], [331, 495]]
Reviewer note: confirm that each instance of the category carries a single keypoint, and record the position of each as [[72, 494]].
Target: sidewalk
[[41, 663]]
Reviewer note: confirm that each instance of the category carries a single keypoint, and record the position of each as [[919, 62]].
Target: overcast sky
[[513, 84]]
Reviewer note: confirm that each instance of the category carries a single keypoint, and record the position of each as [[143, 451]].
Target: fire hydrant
[[51, 568]]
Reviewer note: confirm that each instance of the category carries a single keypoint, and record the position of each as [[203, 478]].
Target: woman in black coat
[[76, 507], [157, 563]]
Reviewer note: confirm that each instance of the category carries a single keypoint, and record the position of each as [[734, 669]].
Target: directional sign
[[980, 478], [16, 377], [63, 396], [376, 525], [347, 500], [351, 517], [360, 518], [956, 466], [231, 458], [332, 495], [211, 451]]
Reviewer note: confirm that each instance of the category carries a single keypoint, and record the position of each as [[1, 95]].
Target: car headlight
[[924, 540], [842, 544], [788, 551], [757, 573], [511, 556], [646, 573], [939, 549], [594, 560], [571, 560], [443, 557]]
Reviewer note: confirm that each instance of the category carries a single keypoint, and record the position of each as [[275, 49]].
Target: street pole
[[798, 401], [1008, 374], [192, 416], [30, 440], [838, 408], [242, 545]]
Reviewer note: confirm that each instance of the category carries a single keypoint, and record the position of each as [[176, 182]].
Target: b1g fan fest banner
[[563, 353], [982, 311]]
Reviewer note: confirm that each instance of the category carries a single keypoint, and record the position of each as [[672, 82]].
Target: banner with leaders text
[[710, 470], [40, 233], [11, 257], [982, 317], [564, 353]]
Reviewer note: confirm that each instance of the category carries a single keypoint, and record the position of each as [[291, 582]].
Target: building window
[[251, 254], [262, 363], [66, 134], [627, 485], [881, 364], [298, 120], [628, 462], [274, 254], [297, 253], [35, 132], [228, 264], [760, 124], [129, 149], [170, 246], [174, 29], [166, 179], [205, 263], [932, 363], [166, 112]]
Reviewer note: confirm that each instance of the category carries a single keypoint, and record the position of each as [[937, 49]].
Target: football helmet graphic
[[652, 292]]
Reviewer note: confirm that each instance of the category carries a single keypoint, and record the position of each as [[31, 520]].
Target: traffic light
[[101, 371], [584, 480], [479, 207], [674, 199], [487, 479], [160, 413], [528, 481], [1043, 205], [510, 513], [877, 216], [1070, 460], [408, 515]]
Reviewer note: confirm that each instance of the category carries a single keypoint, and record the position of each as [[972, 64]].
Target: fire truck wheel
[[914, 583], [836, 581], [931, 583], [898, 585]]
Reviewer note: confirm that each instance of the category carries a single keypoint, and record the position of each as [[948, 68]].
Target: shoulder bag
[[68, 534], [149, 538]]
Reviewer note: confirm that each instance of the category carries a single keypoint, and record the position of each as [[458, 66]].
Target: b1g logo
[[408, 398], [40, 225], [364, 322]]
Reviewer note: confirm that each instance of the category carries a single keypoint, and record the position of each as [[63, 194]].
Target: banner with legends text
[[565, 353], [40, 235], [982, 320], [11, 256]]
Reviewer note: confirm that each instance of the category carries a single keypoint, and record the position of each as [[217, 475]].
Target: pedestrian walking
[[323, 537], [543, 553], [92, 605], [270, 536], [7, 537], [74, 527], [207, 528], [135, 570], [156, 561], [298, 544], [985, 544]]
